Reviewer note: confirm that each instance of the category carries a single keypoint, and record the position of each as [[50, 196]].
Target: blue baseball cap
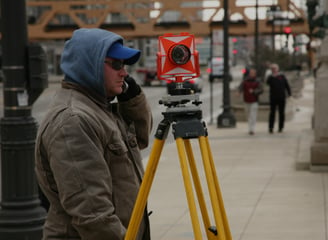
[[118, 51]]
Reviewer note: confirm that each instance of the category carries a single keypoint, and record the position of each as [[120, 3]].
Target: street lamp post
[[311, 7], [287, 31], [226, 119], [273, 36], [21, 216], [272, 13], [256, 37]]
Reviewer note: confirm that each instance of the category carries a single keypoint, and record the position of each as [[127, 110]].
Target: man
[[88, 160], [279, 91], [251, 88]]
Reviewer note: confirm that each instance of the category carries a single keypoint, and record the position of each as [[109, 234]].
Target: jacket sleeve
[[289, 92], [138, 110], [259, 89], [83, 179]]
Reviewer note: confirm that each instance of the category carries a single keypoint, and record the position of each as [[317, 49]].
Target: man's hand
[[133, 89]]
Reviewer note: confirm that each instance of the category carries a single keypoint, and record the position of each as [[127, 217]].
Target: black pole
[[226, 119], [21, 216], [256, 37], [287, 42], [311, 10], [210, 77], [273, 11], [273, 35]]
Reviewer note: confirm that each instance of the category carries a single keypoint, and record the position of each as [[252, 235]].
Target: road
[[154, 94]]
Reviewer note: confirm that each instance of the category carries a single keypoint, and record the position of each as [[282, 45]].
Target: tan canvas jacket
[[89, 166]]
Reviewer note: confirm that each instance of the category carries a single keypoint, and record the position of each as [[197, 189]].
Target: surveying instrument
[[178, 59]]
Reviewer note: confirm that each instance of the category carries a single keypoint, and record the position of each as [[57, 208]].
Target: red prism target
[[177, 58]]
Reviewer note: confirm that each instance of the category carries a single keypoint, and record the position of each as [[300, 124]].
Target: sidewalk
[[267, 195]]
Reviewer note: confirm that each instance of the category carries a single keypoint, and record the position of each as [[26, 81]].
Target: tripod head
[[186, 119]]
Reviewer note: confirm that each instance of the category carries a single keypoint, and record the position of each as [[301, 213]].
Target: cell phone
[[125, 85]]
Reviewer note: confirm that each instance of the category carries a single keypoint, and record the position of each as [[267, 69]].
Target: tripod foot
[[213, 230]]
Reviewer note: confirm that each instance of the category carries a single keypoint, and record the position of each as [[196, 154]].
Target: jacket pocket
[[118, 160], [117, 149]]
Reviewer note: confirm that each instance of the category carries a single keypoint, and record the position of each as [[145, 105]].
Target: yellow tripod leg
[[144, 190], [214, 189], [199, 191], [189, 190], [218, 190]]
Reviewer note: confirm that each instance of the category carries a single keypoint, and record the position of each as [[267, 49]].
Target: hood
[[82, 60]]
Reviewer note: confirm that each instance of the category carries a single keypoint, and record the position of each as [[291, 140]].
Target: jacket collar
[[97, 98]]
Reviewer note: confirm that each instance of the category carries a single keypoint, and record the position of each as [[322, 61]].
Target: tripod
[[186, 124]]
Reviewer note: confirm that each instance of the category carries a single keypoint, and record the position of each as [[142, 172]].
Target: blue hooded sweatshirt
[[83, 57]]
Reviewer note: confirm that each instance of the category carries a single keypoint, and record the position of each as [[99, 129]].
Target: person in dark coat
[[279, 91]]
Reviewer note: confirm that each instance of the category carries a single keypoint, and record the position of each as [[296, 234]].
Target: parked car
[[216, 67], [195, 84]]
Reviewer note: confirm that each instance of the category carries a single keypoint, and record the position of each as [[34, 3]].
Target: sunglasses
[[115, 64]]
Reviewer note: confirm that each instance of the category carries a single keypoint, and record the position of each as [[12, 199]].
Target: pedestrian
[[279, 91], [88, 161], [251, 88]]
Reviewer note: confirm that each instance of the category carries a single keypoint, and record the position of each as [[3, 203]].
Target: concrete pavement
[[267, 188]]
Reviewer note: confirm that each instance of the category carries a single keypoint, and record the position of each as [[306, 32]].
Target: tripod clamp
[[186, 119], [178, 100]]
